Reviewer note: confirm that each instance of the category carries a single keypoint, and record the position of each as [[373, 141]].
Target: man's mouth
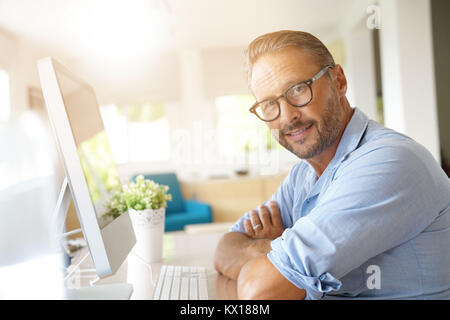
[[298, 134]]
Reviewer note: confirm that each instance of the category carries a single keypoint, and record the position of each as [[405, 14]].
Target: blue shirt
[[375, 225]]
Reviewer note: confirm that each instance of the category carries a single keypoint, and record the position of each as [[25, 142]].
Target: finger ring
[[257, 226]]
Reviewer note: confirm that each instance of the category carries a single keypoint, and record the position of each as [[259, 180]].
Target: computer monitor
[[88, 163]]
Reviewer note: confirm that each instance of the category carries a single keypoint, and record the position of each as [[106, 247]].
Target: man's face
[[305, 131]]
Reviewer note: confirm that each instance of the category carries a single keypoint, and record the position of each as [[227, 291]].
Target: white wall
[[224, 72], [27, 149], [9, 46], [19, 60], [361, 66], [359, 57], [409, 95]]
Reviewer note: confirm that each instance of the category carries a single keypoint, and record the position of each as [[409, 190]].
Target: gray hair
[[276, 41]]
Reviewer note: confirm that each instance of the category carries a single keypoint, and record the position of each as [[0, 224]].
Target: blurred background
[[170, 81]]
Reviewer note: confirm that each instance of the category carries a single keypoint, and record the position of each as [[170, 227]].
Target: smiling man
[[365, 215]]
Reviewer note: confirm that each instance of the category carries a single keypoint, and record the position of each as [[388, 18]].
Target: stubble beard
[[328, 130]]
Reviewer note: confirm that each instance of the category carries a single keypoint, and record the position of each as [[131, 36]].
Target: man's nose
[[288, 113]]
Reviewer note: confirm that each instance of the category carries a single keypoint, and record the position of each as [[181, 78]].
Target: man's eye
[[298, 89], [269, 105]]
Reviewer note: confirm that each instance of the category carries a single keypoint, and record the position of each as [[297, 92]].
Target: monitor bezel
[[108, 246]]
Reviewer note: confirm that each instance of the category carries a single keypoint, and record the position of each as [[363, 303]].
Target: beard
[[328, 129]]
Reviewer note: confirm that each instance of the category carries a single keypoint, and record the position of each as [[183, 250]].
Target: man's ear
[[339, 79]]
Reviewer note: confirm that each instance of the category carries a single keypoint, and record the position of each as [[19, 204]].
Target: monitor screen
[[92, 145]]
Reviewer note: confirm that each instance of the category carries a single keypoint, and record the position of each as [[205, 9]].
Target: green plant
[[140, 195]]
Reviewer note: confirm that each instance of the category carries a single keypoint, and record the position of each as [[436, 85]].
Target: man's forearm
[[235, 249], [226, 288]]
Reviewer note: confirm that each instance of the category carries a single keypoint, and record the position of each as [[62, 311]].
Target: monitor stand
[[119, 291], [116, 291]]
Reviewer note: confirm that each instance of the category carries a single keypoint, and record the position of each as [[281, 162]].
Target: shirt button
[[322, 276]]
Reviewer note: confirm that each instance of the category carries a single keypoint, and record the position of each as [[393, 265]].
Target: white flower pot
[[148, 227]]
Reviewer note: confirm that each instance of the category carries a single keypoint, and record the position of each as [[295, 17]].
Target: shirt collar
[[352, 135], [350, 140]]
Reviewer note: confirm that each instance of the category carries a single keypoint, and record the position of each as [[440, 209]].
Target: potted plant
[[145, 201]]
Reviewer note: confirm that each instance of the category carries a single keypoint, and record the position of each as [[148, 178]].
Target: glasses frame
[[284, 95]]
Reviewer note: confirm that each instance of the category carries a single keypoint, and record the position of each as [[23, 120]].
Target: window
[[138, 132], [5, 104], [243, 139]]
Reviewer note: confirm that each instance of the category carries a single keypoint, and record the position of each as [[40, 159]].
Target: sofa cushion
[[177, 220]]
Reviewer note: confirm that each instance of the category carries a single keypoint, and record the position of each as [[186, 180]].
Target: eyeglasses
[[297, 95]]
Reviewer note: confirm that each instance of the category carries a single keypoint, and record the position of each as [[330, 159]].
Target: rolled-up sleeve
[[238, 226], [296, 253], [375, 202]]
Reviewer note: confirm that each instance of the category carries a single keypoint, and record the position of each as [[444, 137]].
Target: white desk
[[179, 248]]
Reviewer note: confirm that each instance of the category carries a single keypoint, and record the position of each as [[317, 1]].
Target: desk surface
[[179, 248]]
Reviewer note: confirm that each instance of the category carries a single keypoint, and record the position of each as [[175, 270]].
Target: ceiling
[[73, 25], [101, 33]]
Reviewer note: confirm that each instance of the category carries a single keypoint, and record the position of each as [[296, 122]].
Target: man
[[365, 215]]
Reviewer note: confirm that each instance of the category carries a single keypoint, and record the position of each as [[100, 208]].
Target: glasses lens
[[299, 94], [267, 110]]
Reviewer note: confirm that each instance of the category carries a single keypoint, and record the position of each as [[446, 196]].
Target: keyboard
[[181, 283]]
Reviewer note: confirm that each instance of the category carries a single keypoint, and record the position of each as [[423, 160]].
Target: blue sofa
[[180, 212]]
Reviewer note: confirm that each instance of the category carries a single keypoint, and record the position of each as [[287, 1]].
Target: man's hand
[[266, 225], [235, 249]]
